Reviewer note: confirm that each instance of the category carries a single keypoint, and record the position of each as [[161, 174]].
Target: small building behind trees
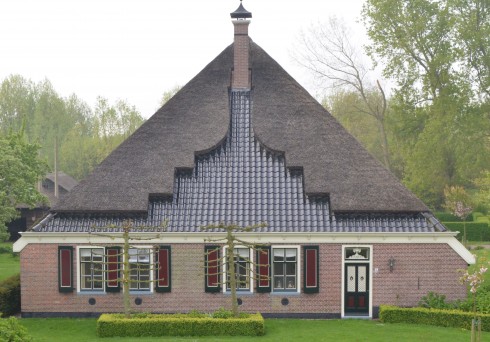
[[29, 216], [243, 143]]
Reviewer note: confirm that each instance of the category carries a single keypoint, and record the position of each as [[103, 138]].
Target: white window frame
[[79, 270], [103, 290], [298, 268], [225, 272], [152, 270]]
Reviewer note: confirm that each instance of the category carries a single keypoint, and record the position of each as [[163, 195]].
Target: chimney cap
[[241, 13]]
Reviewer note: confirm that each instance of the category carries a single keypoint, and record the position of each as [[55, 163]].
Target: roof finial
[[241, 13]]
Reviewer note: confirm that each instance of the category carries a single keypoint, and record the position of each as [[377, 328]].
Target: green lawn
[[79, 330], [9, 265]]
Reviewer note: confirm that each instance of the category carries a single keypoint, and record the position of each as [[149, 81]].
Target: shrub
[[6, 249], [435, 301], [443, 318], [109, 325], [475, 231], [10, 296], [448, 217], [11, 330], [222, 313]]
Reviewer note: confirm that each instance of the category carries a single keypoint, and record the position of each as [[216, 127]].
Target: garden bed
[[111, 325]]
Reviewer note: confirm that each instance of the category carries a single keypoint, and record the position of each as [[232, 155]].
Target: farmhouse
[[242, 143]]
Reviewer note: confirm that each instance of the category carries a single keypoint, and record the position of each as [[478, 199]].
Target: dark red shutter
[[311, 265], [113, 257], [65, 268], [212, 269], [263, 269], [163, 281]]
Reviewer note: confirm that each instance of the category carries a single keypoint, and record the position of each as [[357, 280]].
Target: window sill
[[285, 293], [140, 293], [240, 293], [91, 293]]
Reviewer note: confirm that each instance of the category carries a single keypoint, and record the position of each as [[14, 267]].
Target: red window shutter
[[163, 283], [264, 269], [113, 257], [65, 268], [311, 269], [212, 269]]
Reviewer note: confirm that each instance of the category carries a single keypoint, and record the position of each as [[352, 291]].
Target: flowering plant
[[474, 280]]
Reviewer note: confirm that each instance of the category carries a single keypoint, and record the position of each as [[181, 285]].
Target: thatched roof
[[284, 118]]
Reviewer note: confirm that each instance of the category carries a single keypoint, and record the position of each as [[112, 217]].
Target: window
[[285, 269], [140, 270], [92, 269], [242, 270]]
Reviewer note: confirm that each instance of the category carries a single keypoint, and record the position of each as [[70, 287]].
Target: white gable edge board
[[289, 238]]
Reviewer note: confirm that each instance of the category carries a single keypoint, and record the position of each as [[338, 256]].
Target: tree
[[472, 25], [237, 273], [328, 52], [16, 104], [418, 42], [85, 136], [483, 183], [168, 94], [20, 170], [458, 202], [110, 262]]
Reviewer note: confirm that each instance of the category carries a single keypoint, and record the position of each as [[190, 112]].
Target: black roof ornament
[[241, 13]]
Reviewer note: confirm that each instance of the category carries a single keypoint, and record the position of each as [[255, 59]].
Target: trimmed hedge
[[448, 217], [10, 296], [110, 325], [475, 231], [442, 318]]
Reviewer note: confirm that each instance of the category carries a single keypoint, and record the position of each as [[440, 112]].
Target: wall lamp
[[391, 264]]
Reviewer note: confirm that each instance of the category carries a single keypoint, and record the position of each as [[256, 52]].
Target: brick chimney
[[241, 72]]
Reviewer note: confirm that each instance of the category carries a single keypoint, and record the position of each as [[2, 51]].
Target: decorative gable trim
[[263, 237]]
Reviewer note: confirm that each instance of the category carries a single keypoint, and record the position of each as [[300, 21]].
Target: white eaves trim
[[268, 237]]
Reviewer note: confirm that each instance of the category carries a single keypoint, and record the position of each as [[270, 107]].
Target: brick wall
[[241, 52], [419, 268]]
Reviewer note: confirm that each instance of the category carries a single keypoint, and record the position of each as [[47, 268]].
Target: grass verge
[[9, 264], [83, 330]]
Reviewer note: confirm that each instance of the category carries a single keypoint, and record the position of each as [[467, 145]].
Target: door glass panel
[[361, 279], [351, 278]]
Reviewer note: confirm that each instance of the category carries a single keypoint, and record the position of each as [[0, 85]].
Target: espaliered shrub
[[110, 325], [443, 318], [10, 296], [475, 231]]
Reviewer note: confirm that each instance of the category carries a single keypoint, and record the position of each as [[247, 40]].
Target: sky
[[135, 50]]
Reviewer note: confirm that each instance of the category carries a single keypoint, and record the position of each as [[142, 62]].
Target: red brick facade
[[419, 268]]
